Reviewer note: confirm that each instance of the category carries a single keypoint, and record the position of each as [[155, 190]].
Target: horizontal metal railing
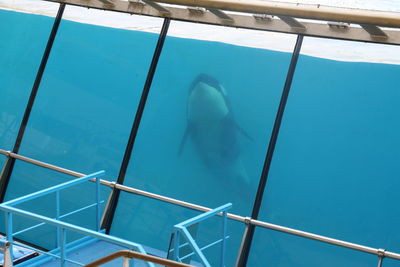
[[128, 254], [10, 211], [181, 230], [375, 251]]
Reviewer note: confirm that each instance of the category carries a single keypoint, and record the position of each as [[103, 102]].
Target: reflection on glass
[[20, 57], [336, 164], [271, 248], [205, 129]]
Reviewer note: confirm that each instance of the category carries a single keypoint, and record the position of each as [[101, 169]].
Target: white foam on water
[[317, 47]]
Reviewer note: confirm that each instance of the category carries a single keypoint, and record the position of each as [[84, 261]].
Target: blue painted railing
[[181, 230], [62, 227]]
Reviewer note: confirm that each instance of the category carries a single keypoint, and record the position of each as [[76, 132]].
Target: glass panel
[[85, 105], [154, 221], [24, 37], [271, 248], [390, 263], [207, 123], [336, 164]]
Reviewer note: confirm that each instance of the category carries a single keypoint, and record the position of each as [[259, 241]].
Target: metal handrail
[[62, 227], [136, 255], [181, 229], [375, 251]]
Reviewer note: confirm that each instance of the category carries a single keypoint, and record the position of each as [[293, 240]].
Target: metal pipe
[[325, 239], [117, 186], [49, 190], [72, 227], [357, 16], [231, 216], [175, 201], [59, 217], [136, 255], [380, 260], [51, 166], [58, 211]]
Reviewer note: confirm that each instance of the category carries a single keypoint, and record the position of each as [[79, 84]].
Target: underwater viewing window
[[205, 129], [85, 104], [336, 159], [19, 61], [187, 117], [271, 248]]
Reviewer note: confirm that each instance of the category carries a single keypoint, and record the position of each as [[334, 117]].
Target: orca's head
[[206, 79], [206, 100]]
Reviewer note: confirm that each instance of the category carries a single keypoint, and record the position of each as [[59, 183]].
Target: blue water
[[334, 171]]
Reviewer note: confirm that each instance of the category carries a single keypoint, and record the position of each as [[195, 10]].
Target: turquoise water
[[335, 170]]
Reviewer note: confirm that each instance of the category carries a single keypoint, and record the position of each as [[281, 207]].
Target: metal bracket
[[163, 11], [107, 2], [262, 17], [138, 3], [293, 23], [247, 220], [381, 252], [374, 31], [339, 25], [220, 14], [196, 11]]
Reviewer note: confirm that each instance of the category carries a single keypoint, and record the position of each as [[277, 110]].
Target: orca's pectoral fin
[[243, 132], [183, 141]]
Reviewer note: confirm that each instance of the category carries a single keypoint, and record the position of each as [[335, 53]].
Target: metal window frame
[[6, 172], [113, 201], [248, 237], [308, 20]]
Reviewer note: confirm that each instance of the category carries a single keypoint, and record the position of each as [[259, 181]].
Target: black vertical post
[[112, 205], [9, 165], [246, 242]]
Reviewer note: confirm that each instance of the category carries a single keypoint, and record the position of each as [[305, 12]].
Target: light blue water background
[[335, 170]]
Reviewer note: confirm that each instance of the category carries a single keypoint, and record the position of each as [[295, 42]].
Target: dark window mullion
[[113, 201], [9, 165], [248, 237]]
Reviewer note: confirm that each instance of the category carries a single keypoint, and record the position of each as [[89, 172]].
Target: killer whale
[[212, 128]]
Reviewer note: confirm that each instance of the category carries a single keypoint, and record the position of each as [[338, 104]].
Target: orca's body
[[212, 128]]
